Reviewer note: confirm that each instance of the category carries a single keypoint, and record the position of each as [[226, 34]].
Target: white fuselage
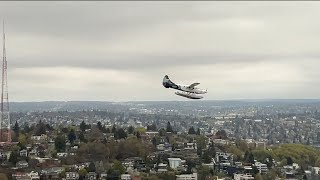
[[194, 90]]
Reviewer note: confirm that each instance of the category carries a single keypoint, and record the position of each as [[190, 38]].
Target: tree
[[152, 127], [13, 157], [40, 128], [120, 134], [114, 129], [130, 130], [207, 157], [258, 177], [138, 135], [92, 167], [162, 132], [221, 134], [289, 161], [198, 131], [250, 158], [82, 138], [3, 176], [191, 130], [154, 141], [83, 172], [16, 128], [169, 127], [60, 143], [72, 136], [117, 166], [83, 126], [100, 126]]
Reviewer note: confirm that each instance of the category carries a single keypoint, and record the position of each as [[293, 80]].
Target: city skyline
[[120, 51]]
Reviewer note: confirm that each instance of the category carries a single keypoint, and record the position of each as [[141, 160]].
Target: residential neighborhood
[[99, 144]]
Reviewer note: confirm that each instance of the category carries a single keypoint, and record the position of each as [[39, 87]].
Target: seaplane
[[187, 91]]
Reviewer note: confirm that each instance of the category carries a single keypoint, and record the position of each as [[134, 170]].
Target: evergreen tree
[[289, 161], [40, 128], [198, 131], [108, 131], [138, 135], [130, 130], [83, 126], [99, 125], [16, 128], [114, 129], [60, 143], [169, 127], [191, 130], [162, 132], [13, 157], [72, 136], [120, 134], [154, 141], [82, 138], [92, 167]]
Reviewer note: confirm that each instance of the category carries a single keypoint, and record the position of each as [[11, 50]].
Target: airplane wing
[[193, 85]]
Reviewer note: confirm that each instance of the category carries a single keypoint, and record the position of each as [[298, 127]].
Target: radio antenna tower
[[4, 108]]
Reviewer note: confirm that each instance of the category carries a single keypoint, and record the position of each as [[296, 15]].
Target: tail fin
[[167, 82]]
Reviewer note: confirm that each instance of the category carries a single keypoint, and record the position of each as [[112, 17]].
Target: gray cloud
[[121, 50]]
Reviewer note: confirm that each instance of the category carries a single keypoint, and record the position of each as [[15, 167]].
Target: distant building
[[72, 175], [243, 177], [174, 162], [125, 177], [193, 176]]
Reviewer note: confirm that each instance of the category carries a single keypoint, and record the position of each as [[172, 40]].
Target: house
[[174, 162], [243, 177], [23, 153], [39, 139], [263, 168], [22, 164], [72, 175], [193, 176], [91, 176], [162, 167], [34, 175], [3, 155], [125, 177], [103, 176], [189, 146]]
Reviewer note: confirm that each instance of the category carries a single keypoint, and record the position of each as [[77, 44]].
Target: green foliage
[[92, 167], [258, 177], [82, 138], [16, 128], [40, 128], [130, 130], [198, 131], [221, 134], [298, 153], [117, 166], [72, 136], [83, 126], [120, 134], [262, 155], [152, 127], [13, 157], [60, 143], [82, 172], [191, 130], [169, 127], [3, 176], [235, 151], [203, 171]]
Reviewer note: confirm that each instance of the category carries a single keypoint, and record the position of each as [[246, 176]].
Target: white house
[[174, 162]]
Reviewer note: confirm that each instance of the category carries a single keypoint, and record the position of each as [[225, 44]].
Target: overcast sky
[[120, 51]]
